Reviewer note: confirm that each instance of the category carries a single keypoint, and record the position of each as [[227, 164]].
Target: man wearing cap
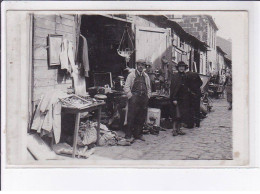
[[138, 90], [179, 95]]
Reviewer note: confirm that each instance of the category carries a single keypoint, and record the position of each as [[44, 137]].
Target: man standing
[[138, 90], [228, 87], [194, 84], [179, 95]]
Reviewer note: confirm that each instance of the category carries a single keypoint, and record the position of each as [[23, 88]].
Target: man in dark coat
[[179, 95], [194, 84]]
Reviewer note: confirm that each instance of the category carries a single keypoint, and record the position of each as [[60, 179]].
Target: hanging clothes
[[48, 114], [83, 55], [64, 60], [78, 81]]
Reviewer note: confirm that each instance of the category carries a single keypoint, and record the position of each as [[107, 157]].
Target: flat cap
[[141, 61]]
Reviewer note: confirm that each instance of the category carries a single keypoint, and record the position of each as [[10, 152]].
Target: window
[[175, 40], [181, 44]]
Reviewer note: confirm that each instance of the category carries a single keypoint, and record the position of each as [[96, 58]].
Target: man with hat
[[179, 95], [138, 90]]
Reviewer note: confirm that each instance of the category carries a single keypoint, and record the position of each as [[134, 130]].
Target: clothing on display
[[83, 57], [48, 114]]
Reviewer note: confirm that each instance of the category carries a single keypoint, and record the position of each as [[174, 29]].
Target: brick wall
[[195, 25]]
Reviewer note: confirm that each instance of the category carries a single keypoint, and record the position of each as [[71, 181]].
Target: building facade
[[221, 63], [189, 49], [154, 38], [205, 29]]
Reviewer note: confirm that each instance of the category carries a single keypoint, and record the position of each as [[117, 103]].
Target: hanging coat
[[78, 81], [83, 55], [64, 60]]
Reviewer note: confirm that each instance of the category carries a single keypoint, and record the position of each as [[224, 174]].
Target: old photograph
[[129, 86]]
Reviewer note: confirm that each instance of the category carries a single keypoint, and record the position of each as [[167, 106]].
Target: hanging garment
[[78, 81], [64, 60], [83, 55], [48, 114]]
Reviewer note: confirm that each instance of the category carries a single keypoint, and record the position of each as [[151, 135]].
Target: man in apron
[[138, 90]]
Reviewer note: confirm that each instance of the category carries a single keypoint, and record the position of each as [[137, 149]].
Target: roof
[[227, 61], [226, 46], [220, 50], [212, 21]]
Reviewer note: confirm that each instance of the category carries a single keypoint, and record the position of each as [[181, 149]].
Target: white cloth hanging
[[64, 60], [78, 81]]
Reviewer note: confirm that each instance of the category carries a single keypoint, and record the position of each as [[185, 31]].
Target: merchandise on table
[[78, 102]]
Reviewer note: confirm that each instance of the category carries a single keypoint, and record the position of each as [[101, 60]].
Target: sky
[[224, 24], [223, 19]]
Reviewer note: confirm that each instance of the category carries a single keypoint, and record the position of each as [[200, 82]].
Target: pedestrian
[[138, 90], [179, 96], [194, 84], [228, 87]]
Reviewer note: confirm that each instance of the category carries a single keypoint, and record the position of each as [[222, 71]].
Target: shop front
[[79, 66]]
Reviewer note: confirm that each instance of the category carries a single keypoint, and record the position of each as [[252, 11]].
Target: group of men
[[185, 96]]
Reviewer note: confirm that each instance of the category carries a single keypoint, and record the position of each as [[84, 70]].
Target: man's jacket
[[194, 82], [130, 82], [175, 86]]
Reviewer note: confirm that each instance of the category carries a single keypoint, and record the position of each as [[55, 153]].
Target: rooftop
[[226, 46]]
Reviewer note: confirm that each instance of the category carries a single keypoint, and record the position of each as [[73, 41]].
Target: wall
[[45, 77], [145, 21], [195, 25], [200, 27], [220, 61]]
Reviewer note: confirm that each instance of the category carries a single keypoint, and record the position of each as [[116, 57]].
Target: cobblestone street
[[212, 141]]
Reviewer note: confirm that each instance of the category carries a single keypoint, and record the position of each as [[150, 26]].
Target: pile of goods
[[88, 135], [152, 129], [66, 149], [75, 101]]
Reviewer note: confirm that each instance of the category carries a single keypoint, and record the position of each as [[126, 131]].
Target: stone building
[[221, 63], [205, 29], [188, 48]]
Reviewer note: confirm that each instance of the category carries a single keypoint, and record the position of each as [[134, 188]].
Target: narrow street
[[212, 141]]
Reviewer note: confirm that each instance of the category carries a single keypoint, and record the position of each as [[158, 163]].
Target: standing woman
[[179, 95], [228, 87]]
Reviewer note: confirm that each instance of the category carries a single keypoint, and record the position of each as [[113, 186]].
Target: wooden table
[[77, 112]]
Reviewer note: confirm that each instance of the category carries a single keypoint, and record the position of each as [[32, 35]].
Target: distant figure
[[194, 84], [138, 90], [179, 95], [228, 87]]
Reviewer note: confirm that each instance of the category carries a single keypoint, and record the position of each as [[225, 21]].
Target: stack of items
[[66, 149], [78, 102], [88, 135], [152, 129]]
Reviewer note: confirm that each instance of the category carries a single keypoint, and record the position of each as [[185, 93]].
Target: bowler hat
[[181, 63]]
